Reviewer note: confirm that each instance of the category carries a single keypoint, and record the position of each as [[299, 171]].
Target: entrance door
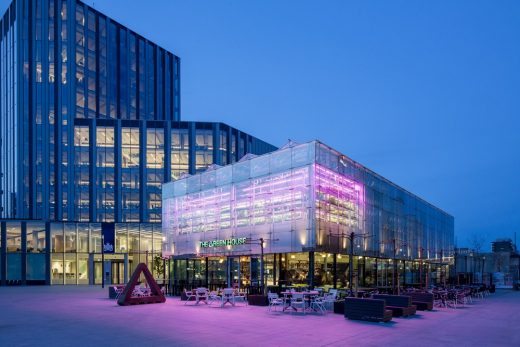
[[240, 271], [118, 272], [109, 271], [98, 272]]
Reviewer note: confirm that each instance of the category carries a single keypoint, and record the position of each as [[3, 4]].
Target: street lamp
[[102, 260], [351, 237], [483, 265], [260, 241]]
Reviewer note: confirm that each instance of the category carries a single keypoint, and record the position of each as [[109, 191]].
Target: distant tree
[[477, 241]]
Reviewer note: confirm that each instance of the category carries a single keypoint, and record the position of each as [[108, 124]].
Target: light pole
[[351, 261], [102, 261], [260, 241], [420, 268], [395, 272], [483, 265], [351, 237]]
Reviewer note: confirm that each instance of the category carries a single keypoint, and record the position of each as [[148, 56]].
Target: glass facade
[[105, 71], [307, 201]]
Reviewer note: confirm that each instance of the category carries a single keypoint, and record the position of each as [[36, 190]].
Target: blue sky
[[425, 93]]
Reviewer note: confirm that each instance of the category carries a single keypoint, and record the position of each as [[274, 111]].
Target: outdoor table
[[287, 298]]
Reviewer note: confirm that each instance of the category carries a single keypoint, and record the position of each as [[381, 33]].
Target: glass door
[[98, 272], [118, 272]]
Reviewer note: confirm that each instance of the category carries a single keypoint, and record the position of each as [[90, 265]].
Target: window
[[180, 146], [155, 172], [105, 173], [35, 237], [81, 172], [14, 237], [130, 175], [203, 149]]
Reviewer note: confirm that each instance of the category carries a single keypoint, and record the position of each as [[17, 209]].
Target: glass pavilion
[[304, 201]]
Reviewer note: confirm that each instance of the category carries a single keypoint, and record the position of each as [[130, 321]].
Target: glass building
[[306, 202], [90, 129]]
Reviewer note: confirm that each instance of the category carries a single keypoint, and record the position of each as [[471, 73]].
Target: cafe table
[[307, 296]]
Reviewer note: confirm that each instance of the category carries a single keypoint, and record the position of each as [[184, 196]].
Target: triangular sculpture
[[156, 295]]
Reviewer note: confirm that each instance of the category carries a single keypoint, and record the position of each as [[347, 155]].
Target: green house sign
[[221, 243]]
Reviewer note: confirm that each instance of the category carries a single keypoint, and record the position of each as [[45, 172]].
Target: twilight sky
[[426, 94]]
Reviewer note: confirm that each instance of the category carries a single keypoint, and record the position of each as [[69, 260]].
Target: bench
[[367, 309], [423, 301], [401, 305]]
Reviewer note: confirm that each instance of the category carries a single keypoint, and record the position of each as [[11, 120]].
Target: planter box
[[339, 307], [257, 300]]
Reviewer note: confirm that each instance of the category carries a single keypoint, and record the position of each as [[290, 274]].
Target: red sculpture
[[154, 296]]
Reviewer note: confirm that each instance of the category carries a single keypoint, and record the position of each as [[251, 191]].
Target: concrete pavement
[[83, 316]]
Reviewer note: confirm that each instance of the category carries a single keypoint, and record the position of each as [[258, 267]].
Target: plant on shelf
[[158, 266]]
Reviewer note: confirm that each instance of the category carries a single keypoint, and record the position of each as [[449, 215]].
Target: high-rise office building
[[90, 128]]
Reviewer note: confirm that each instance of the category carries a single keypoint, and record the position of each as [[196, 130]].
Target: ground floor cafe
[[304, 269]]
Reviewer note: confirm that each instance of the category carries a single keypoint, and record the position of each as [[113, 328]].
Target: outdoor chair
[[213, 296], [240, 296], [201, 294], [298, 300], [439, 300], [189, 295], [228, 295], [119, 290], [317, 303], [329, 299], [274, 300]]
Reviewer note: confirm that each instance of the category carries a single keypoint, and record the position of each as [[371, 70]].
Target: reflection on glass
[[155, 172], [130, 174], [35, 237], [13, 237], [203, 149], [179, 153], [105, 173]]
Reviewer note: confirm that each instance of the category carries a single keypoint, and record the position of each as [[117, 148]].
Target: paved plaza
[[84, 316]]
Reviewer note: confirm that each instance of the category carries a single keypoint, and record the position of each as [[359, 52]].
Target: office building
[[90, 129]]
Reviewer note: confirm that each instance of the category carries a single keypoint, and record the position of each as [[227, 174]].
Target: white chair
[[318, 304], [298, 300], [333, 292], [274, 300], [228, 295], [240, 296], [329, 298], [201, 294], [189, 294], [119, 290], [213, 296]]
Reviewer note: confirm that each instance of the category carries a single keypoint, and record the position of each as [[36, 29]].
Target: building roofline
[[383, 178], [126, 26]]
